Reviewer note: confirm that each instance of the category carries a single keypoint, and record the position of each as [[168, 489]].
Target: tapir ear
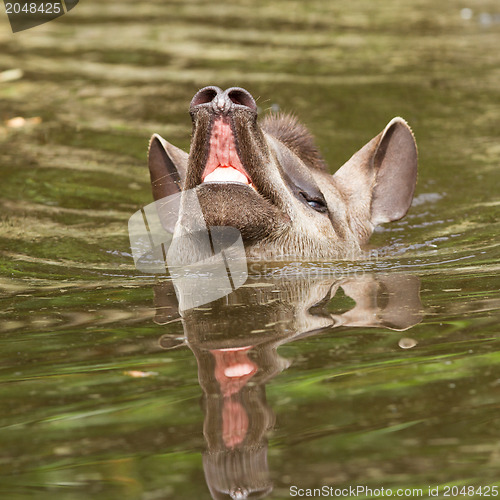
[[380, 178], [395, 161], [167, 167]]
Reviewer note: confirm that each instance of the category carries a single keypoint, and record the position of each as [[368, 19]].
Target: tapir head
[[269, 181]]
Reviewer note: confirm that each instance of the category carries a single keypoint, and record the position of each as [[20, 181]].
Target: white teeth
[[239, 370], [226, 174]]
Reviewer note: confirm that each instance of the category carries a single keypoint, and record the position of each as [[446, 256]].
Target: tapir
[[268, 180]]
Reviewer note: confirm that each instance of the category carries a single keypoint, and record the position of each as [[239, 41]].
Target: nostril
[[223, 102], [242, 97], [205, 96]]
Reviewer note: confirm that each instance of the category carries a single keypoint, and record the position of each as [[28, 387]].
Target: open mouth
[[223, 163]]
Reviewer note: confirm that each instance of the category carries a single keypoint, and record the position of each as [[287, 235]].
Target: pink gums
[[223, 163]]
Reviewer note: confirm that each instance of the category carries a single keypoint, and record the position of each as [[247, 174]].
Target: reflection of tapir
[[268, 180], [235, 342]]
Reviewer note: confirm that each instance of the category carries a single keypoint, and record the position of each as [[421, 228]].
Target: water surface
[[375, 373]]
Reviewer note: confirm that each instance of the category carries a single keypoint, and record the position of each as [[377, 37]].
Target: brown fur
[[218, 201], [287, 129]]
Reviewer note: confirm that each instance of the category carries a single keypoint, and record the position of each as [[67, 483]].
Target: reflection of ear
[[167, 167], [387, 301], [379, 180], [404, 308]]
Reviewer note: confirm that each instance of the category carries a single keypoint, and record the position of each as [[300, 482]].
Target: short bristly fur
[[291, 206], [287, 129]]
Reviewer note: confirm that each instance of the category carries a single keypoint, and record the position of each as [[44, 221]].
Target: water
[[380, 373]]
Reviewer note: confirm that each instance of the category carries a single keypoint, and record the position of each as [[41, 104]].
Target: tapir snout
[[268, 180]]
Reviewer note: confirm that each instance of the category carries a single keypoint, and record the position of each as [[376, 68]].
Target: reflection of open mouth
[[223, 163], [233, 369]]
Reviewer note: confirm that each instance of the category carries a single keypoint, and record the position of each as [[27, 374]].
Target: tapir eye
[[315, 203]]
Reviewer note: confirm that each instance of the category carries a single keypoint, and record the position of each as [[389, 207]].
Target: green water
[[380, 373]]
